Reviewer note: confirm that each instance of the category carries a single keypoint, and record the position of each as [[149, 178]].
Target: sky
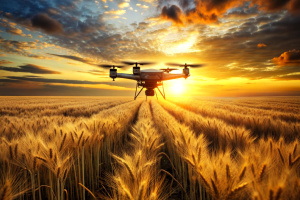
[[56, 47]]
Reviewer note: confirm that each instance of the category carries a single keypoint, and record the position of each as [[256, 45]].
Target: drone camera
[[136, 70], [113, 73], [186, 71], [149, 92]]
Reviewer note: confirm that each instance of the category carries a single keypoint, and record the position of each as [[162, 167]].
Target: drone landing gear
[[162, 92], [136, 95], [149, 93]]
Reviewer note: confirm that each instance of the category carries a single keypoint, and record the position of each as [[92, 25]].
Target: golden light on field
[[122, 140], [62, 49]]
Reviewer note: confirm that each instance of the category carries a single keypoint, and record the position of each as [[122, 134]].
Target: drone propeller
[[185, 65], [111, 66], [137, 63], [168, 69]]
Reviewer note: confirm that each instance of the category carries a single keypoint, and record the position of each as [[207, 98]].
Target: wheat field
[[182, 148]]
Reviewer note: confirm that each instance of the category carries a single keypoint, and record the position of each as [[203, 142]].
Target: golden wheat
[[117, 148]]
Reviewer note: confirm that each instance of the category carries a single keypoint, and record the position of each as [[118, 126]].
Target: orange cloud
[[208, 11], [289, 57], [15, 31], [3, 62], [205, 11], [271, 5], [261, 45]]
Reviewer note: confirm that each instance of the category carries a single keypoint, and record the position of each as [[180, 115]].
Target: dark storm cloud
[[173, 13], [29, 68], [46, 23]]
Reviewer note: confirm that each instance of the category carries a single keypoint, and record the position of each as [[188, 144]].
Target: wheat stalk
[[89, 191], [262, 172], [282, 159], [228, 175], [242, 174], [62, 143], [236, 190], [215, 188]]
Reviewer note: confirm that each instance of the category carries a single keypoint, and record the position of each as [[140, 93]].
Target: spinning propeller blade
[[111, 66], [185, 65], [137, 63]]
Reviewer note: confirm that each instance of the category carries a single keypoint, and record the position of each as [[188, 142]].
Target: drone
[[150, 79]]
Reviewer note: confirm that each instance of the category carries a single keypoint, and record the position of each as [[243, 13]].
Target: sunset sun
[[176, 87]]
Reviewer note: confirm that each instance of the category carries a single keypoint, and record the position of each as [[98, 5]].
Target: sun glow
[[176, 87]]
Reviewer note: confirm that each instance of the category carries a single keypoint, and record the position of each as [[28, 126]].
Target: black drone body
[[150, 79]]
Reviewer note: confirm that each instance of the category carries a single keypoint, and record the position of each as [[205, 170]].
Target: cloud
[[198, 11], [15, 31], [115, 12], [142, 6], [38, 79], [123, 5], [29, 68], [46, 80], [9, 81], [3, 62], [22, 48], [95, 72], [13, 46], [208, 11], [274, 5], [86, 61], [46, 23], [289, 77], [85, 31], [287, 58], [261, 45], [172, 13]]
